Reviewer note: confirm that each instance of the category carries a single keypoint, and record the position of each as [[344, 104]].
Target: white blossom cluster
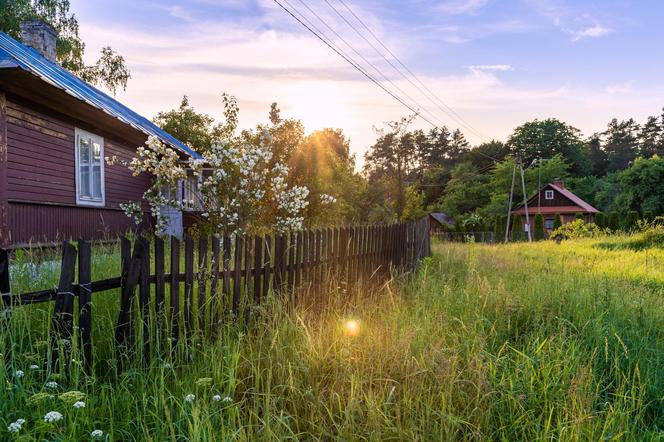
[[241, 187], [52, 416]]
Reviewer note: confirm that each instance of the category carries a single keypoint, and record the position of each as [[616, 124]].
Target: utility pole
[[525, 203], [509, 205]]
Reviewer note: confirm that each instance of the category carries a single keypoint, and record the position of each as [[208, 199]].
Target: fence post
[[214, 287], [267, 268], [175, 291], [144, 299], [226, 290], [202, 282], [85, 303], [237, 274], [62, 324], [258, 262], [124, 327], [5, 294], [188, 284], [159, 285]]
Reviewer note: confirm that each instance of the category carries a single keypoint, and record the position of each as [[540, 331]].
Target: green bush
[[557, 221], [630, 221], [577, 229], [600, 220], [614, 221], [539, 227], [517, 228], [648, 216], [580, 216]]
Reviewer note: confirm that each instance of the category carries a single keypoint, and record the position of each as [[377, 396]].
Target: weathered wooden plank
[[203, 276], [188, 285], [258, 269], [85, 302], [4, 206], [159, 284], [248, 264], [227, 247], [278, 263], [237, 274], [317, 265], [175, 291], [267, 266], [144, 299], [298, 261], [215, 305], [292, 243], [63, 319]]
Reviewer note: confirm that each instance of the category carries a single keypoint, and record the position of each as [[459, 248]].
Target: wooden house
[[554, 199], [55, 133], [439, 222]]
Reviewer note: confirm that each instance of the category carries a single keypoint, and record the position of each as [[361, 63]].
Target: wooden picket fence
[[222, 277]]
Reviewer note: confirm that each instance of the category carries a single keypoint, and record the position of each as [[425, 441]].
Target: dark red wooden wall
[[41, 187]]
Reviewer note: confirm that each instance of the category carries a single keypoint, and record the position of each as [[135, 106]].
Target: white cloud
[[491, 67], [594, 31], [454, 7]]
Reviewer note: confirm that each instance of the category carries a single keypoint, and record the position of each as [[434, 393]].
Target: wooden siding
[[42, 223], [41, 183], [557, 201], [41, 160], [4, 216]]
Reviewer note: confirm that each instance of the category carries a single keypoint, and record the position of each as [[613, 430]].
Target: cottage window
[[548, 194], [548, 224], [89, 169]]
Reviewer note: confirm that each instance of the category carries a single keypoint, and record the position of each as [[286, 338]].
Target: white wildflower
[[97, 434], [51, 384], [79, 405], [216, 398], [16, 426], [52, 416], [34, 367], [19, 374], [189, 398], [227, 399]]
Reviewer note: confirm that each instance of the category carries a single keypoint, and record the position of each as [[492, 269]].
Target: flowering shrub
[[241, 186], [577, 229], [52, 416]]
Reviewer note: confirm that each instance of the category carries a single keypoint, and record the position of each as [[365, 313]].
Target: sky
[[484, 66]]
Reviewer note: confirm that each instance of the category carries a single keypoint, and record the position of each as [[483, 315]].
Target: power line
[[378, 71], [452, 111], [349, 61]]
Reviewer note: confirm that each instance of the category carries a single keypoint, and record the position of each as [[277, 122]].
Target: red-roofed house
[[552, 199]]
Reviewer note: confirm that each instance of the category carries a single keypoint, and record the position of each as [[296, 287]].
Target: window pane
[[84, 151], [96, 182], [84, 183], [96, 152]]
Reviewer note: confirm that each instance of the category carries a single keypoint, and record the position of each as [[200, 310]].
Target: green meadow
[[539, 341]]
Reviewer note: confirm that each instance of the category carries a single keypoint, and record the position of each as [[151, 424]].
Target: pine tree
[[614, 221], [557, 221], [580, 216], [517, 228], [630, 220], [539, 227], [649, 138]]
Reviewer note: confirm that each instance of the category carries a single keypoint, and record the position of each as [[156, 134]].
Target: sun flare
[[352, 327]]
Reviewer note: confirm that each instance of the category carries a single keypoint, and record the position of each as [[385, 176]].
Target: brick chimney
[[41, 36], [559, 183]]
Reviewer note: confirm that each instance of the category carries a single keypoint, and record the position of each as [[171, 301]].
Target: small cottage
[[554, 199], [55, 132]]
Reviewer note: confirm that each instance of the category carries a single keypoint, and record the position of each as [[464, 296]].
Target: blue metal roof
[[17, 55]]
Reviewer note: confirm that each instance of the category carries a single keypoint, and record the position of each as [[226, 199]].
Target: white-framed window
[[89, 169], [548, 194]]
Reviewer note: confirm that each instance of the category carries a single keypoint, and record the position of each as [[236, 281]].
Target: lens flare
[[352, 327]]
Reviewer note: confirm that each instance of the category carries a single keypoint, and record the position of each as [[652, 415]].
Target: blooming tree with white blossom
[[242, 188]]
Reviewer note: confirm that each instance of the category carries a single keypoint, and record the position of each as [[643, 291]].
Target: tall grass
[[518, 342]]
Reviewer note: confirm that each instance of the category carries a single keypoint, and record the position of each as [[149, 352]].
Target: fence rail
[[221, 277]]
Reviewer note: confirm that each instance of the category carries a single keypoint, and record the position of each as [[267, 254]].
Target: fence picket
[[124, 340], [258, 262], [188, 284], [144, 298], [215, 306], [267, 267], [237, 275], [175, 291], [226, 298], [203, 276], [159, 285], [85, 302], [63, 318]]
